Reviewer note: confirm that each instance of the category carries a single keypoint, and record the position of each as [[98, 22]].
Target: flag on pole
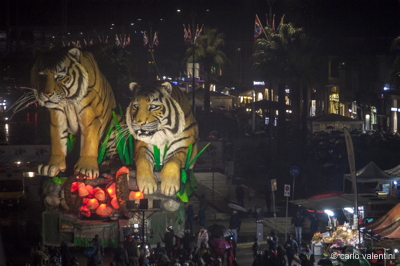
[[198, 32], [155, 39], [280, 23], [117, 41], [100, 39], [145, 39], [106, 42], [258, 29], [185, 34], [189, 34], [128, 40], [124, 42], [63, 44], [78, 44], [91, 42], [273, 23], [84, 40]]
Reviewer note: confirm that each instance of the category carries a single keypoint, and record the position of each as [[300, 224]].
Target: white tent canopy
[[372, 173], [394, 171]]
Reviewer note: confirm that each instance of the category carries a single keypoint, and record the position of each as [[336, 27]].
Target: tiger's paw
[[87, 165], [147, 184], [53, 167], [170, 180]]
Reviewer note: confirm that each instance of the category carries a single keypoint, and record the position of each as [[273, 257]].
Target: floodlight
[[329, 212]]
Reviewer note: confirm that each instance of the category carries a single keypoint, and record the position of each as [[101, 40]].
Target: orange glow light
[[92, 204], [103, 210], [74, 186], [114, 203], [135, 195], [111, 190]]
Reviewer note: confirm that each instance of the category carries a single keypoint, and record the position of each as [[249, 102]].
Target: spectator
[[132, 250], [256, 248], [169, 241], [281, 256], [181, 254], [202, 238], [240, 195], [65, 255], [297, 221], [202, 210], [258, 261], [189, 217], [121, 256], [234, 225], [291, 249], [314, 224]]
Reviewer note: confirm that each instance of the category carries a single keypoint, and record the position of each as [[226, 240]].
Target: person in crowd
[[99, 254], [258, 261], [169, 241], [235, 224], [291, 249], [230, 254], [189, 218], [200, 251], [202, 238], [255, 248], [73, 261], [298, 221], [181, 254], [65, 255], [187, 241], [207, 257], [202, 210], [239, 195], [314, 221], [219, 262], [121, 256], [281, 256], [132, 249], [267, 258]]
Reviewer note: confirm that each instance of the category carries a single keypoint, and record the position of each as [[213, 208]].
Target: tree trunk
[[281, 120], [206, 92]]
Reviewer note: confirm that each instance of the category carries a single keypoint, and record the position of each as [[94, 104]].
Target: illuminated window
[[259, 96]]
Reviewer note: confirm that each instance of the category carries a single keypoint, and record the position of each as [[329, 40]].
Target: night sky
[[323, 18]]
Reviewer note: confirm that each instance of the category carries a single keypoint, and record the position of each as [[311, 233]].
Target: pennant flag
[[69, 44], [280, 23], [84, 40], [155, 40], [189, 34], [106, 42], [117, 41], [78, 44], [185, 34], [273, 23], [128, 40], [100, 39], [258, 29], [73, 43], [198, 32], [124, 40], [145, 39], [63, 44], [266, 20]]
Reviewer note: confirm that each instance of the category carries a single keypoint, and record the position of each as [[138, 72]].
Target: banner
[[352, 166]]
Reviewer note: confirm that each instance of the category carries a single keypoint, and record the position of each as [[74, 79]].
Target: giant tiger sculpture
[[80, 100], [160, 115]]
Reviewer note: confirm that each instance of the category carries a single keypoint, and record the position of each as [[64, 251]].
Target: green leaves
[[59, 180]]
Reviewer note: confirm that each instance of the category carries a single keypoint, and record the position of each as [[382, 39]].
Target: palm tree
[[207, 51], [289, 57]]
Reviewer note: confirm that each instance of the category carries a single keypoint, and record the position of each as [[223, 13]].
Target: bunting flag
[[106, 42], [100, 39], [258, 29], [69, 44], [145, 39], [155, 39], [128, 40], [189, 34], [124, 42], [198, 32], [91, 42], [78, 44], [186, 34], [117, 41], [273, 23], [73, 43], [85, 42], [280, 23], [63, 44]]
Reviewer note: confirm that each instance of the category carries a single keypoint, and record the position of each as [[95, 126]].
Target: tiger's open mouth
[[145, 133]]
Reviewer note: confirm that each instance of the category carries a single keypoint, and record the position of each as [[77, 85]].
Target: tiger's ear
[[76, 53], [133, 86], [167, 86]]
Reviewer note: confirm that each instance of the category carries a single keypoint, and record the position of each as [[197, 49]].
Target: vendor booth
[[372, 174]]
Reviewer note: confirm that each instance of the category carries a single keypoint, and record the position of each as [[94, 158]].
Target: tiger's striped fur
[[160, 115], [80, 100]]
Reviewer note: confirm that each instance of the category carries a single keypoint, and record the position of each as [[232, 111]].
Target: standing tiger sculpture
[[160, 115], [80, 100]]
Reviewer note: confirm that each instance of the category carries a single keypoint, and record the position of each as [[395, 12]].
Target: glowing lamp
[[136, 195], [92, 204], [103, 210], [75, 186], [114, 203], [85, 211], [99, 194], [122, 170], [90, 189], [111, 190], [82, 191]]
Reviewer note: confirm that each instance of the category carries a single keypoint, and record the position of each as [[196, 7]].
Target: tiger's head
[[153, 115], [58, 78]]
